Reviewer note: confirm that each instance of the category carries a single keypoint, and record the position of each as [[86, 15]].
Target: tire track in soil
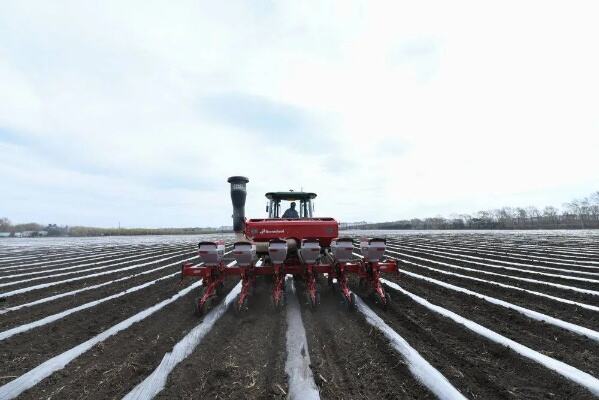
[[570, 294], [567, 256], [500, 260], [575, 350], [34, 313], [500, 254], [81, 283], [351, 359], [86, 258], [26, 281], [566, 312], [50, 255], [243, 357], [565, 248], [477, 367], [539, 287], [498, 269], [113, 368], [26, 350]]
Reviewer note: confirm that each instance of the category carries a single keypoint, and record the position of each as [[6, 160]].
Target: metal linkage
[[373, 251], [309, 255], [244, 254], [343, 253], [306, 263], [213, 271], [277, 251]]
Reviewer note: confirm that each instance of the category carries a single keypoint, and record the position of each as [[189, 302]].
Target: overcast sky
[[137, 112]]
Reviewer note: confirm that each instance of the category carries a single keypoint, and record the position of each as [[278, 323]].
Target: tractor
[[306, 247]]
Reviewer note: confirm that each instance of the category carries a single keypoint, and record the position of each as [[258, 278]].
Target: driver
[[291, 212]]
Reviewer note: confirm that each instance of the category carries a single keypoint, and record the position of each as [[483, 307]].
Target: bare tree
[[467, 218], [533, 212], [485, 215], [594, 206], [30, 226], [506, 216], [550, 211], [575, 208], [5, 224], [521, 214]]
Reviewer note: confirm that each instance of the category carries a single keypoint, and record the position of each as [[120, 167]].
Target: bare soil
[[243, 356]]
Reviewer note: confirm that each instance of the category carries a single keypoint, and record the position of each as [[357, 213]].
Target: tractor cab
[[275, 227], [278, 202]]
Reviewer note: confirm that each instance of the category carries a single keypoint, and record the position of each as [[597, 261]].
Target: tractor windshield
[[291, 212], [284, 209]]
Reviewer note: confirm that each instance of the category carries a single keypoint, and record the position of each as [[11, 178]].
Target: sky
[[136, 112]]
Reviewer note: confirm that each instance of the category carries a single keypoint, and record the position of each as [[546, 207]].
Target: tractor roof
[[290, 196]]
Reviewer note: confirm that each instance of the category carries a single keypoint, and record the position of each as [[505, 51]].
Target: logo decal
[[267, 231]]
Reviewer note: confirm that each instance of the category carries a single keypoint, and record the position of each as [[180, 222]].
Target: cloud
[[268, 120], [138, 111], [421, 56], [254, 113]]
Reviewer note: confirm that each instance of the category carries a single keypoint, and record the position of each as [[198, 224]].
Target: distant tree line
[[577, 214], [36, 229], [90, 231], [7, 226]]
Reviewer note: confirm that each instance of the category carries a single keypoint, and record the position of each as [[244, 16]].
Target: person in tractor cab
[[291, 212]]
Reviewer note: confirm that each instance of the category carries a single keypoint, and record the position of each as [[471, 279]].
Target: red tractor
[[305, 247]]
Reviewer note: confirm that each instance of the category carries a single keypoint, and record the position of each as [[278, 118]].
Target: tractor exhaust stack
[[238, 194]]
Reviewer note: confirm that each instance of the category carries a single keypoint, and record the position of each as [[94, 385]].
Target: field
[[483, 315]]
